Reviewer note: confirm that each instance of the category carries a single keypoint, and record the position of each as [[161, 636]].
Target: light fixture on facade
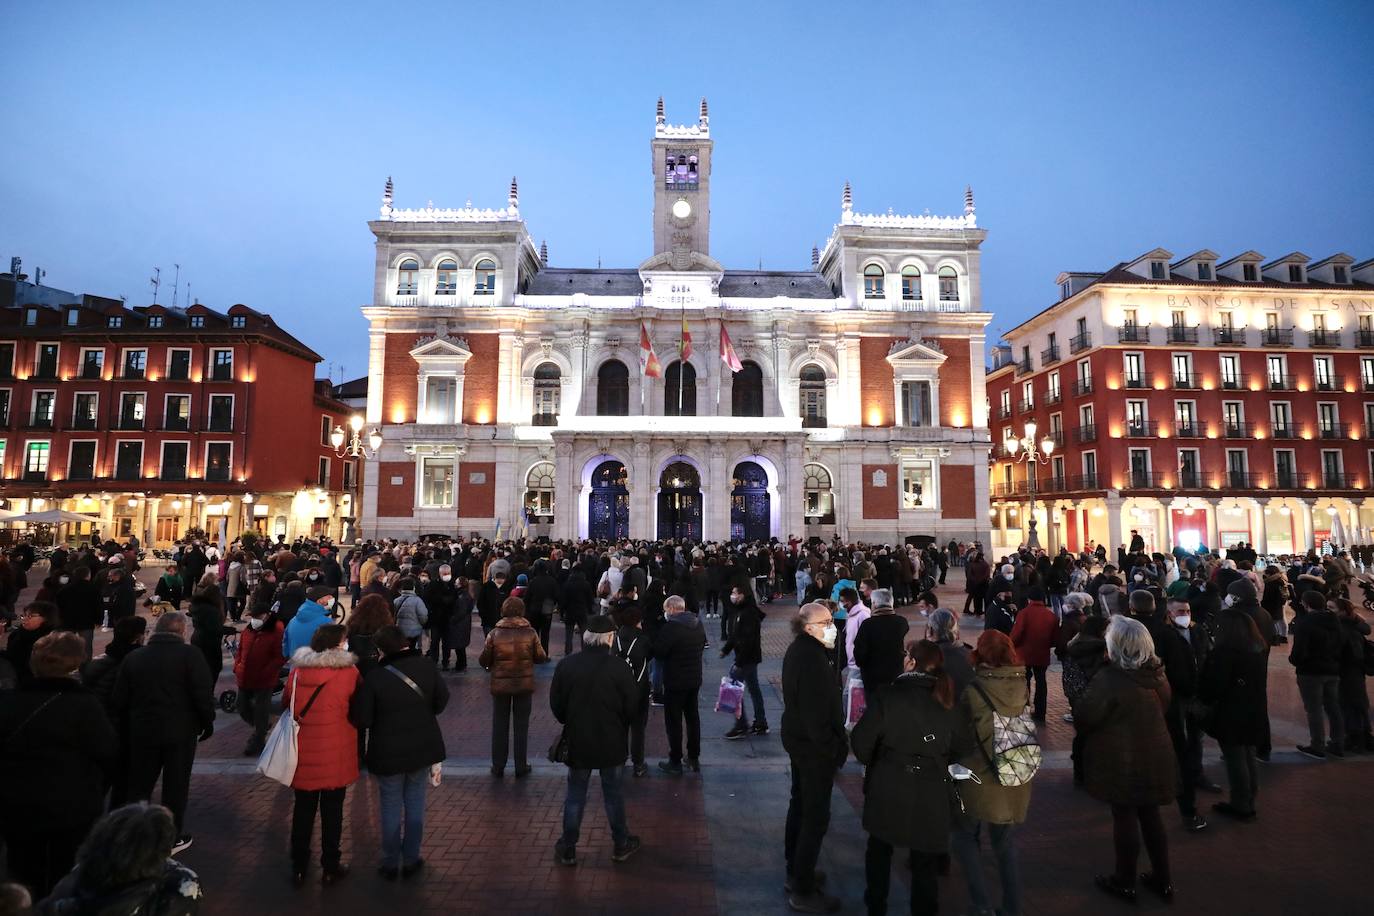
[[200, 498], [176, 505], [133, 502], [350, 444], [225, 506], [248, 499]]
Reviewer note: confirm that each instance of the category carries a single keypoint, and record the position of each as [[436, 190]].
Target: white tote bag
[[279, 755]]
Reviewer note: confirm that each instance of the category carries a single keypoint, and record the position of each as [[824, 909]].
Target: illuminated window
[[408, 278], [918, 484], [547, 394], [436, 486], [539, 491], [949, 285], [441, 398], [811, 396], [819, 498], [873, 282]]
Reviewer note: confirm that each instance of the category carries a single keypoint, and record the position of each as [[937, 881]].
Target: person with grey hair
[[165, 696], [594, 697], [879, 645], [943, 630], [1129, 758], [678, 647]]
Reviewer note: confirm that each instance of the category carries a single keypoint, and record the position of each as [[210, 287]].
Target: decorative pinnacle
[[815, 256], [387, 192], [705, 114], [847, 199], [968, 200], [658, 115], [514, 194], [544, 253]]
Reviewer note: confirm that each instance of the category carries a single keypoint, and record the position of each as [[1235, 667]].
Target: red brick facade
[[399, 379], [481, 379], [956, 385], [957, 496], [396, 498], [881, 501], [875, 380], [477, 500]]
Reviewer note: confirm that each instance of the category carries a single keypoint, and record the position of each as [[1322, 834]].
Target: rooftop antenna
[[176, 282], [38, 275], [188, 291], [156, 281]]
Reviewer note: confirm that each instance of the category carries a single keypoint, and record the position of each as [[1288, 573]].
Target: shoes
[[739, 731], [564, 856], [815, 902], [498, 772], [334, 875], [298, 876], [817, 878], [672, 769], [656, 700], [413, 868], [1335, 750], [632, 846], [1206, 785], [1108, 884], [1231, 811], [1315, 753], [522, 772], [1164, 889], [183, 842], [1068, 717], [390, 873], [641, 769], [694, 764], [759, 728], [252, 749], [1195, 824]]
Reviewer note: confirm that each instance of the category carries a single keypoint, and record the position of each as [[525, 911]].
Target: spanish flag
[[686, 347], [648, 359]]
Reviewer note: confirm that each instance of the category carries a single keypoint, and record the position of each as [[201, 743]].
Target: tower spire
[[658, 114], [815, 257], [514, 195], [544, 253], [705, 117], [968, 200], [387, 192], [847, 199]]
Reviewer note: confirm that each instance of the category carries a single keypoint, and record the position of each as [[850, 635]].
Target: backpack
[[1016, 755]]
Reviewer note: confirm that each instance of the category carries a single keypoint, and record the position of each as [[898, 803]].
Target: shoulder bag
[[281, 753]]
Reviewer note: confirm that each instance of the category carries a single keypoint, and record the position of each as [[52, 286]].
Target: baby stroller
[[229, 698]]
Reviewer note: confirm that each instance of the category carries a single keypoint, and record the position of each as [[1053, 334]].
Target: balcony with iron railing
[[1015, 488], [1282, 431], [91, 372], [126, 422], [1228, 337], [1140, 429], [1286, 480], [1052, 485], [1083, 482], [1188, 429], [1144, 480], [1364, 339], [1235, 382], [1335, 481], [1132, 333], [217, 474], [1024, 367], [1134, 381], [1189, 480], [1082, 386], [1276, 337], [545, 419], [1238, 430], [1330, 383], [1333, 431], [1025, 406], [1086, 433], [813, 422], [1080, 342], [1057, 437], [1185, 380], [1280, 382], [1049, 356], [1323, 337], [83, 422], [1054, 396], [1241, 480], [1181, 334], [1003, 411], [39, 421]]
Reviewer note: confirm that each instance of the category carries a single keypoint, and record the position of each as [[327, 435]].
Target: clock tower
[[682, 190]]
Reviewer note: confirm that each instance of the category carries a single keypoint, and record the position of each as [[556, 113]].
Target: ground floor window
[[918, 484], [436, 482]]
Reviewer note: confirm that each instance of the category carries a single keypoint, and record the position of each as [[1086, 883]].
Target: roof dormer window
[[1294, 273], [114, 321], [1204, 270], [155, 321], [1065, 289], [30, 317], [1339, 273], [1250, 272], [73, 317], [197, 321], [238, 321], [1156, 270]]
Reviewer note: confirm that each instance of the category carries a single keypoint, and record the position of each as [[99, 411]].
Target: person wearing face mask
[[256, 667], [36, 620], [78, 605], [313, 613], [746, 641], [1183, 650], [814, 737]]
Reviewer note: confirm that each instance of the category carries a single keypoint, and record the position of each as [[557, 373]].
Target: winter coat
[[175, 892], [880, 647], [307, 619], [327, 744], [100, 673], [1317, 643], [632, 645], [259, 660], [542, 596], [164, 692], [78, 605], [117, 600], [594, 696], [411, 615], [679, 646], [489, 601], [1033, 634], [57, 748], [1084, 656], [207, 634], [813, 708], [403, 726], [577, 597], [510, 654], [440, 600], [746, 636], [1128, 757], [991, 801], [1233, 690], [907, 740], [20, 648], [1000, 616]]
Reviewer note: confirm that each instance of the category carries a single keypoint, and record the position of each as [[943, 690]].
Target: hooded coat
[[308, 618], [327, 744]]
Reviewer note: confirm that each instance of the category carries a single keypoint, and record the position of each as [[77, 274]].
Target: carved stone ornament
[[879, 478], [813, 345], [546, 344], [612, 342]]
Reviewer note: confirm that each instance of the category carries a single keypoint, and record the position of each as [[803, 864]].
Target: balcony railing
[[1364, 339], [1132, 333], [176, 424], [1024, 367], [1238, 430], [1330, 383], [1323, 337], [1241, 480], [1189, 480], [1083, 482], [1334, 431], [172, 474], [545, 419], [1135, 381], [1185, 380], [1054, 396], [1280, 383], [1083, 386], [123, 423], [39, 421], [1003, 411], [1228, 337], [1236, 383], [1179, 334], [1333, 481], [91, 372], [131, 374], [1015, 488], [1053, 485], [1144, 480], [1057, 437], [128, 473], [1049, 355], [1080, 342], [1025, 406], [1283, 431], [78, 472], [217, 474], [1086, 433], [812, 422], [1191, 430], [83, 422], [1276, 337], [1140, 429], [1286, 481], [222, 374]]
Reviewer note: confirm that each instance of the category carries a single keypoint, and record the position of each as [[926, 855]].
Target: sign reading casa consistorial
[[678, 398]]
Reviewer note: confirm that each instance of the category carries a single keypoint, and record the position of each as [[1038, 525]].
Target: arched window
[[819, 496], [811, 396], [613, 389], [547, 394], [949, 284], [911, 283], [485, 278], [446, 278], [408, 278], [873, 282], [746, 392], [680, 390], [539, 493]]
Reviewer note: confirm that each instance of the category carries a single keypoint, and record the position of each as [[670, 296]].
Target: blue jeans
[[964, 842], [402, 790], [612, 790], [749, 676]]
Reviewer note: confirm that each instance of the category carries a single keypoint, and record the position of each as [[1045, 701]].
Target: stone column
[[376, 361], [790, 490], [1309, 530], [1167, 528], [1260, 528], [1113, 523], [154, 502], [1213, 526], [716, 492], [576, 387], [643, 491]]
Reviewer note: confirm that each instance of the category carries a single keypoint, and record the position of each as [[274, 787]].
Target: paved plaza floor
[[713, 841]]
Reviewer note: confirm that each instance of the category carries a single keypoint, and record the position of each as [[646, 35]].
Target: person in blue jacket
[[314, 612]]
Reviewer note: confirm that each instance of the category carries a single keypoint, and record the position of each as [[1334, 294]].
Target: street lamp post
[[350, 444], [1025, 450]]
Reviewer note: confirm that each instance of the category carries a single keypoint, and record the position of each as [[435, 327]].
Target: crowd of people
[[1155, 650]]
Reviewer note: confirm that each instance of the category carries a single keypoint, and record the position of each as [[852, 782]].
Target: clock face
[[682, 209]]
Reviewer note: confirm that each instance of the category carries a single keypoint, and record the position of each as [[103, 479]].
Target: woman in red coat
[[256, 668], [324, 677]]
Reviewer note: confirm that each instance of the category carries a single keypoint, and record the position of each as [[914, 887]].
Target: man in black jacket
[[594, 696], [541, 600], [78, 606], [399, 702], [880, 644], [678, 648], [1317, 642], [1182, 647], [165, 697], [813, 736]]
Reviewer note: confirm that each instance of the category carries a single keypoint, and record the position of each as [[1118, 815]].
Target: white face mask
[[1229, 600], [344, 646], [256, 622], [447, 578], [829, 634], [63, 579], [1139, 577], [1183, 621]]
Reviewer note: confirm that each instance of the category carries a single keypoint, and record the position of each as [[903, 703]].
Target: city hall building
[[516, 397], [1196, 400]]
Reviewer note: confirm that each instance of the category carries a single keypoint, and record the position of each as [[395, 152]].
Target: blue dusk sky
[[249, 142]]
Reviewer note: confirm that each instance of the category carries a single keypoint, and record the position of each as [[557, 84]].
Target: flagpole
[[681, 358]]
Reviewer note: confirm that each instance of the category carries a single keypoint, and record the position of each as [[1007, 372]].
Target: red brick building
[[1197, 400], [157, 420]]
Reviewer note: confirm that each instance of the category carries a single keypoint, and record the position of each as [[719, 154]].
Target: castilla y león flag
[[648, 359], [727, 351]]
